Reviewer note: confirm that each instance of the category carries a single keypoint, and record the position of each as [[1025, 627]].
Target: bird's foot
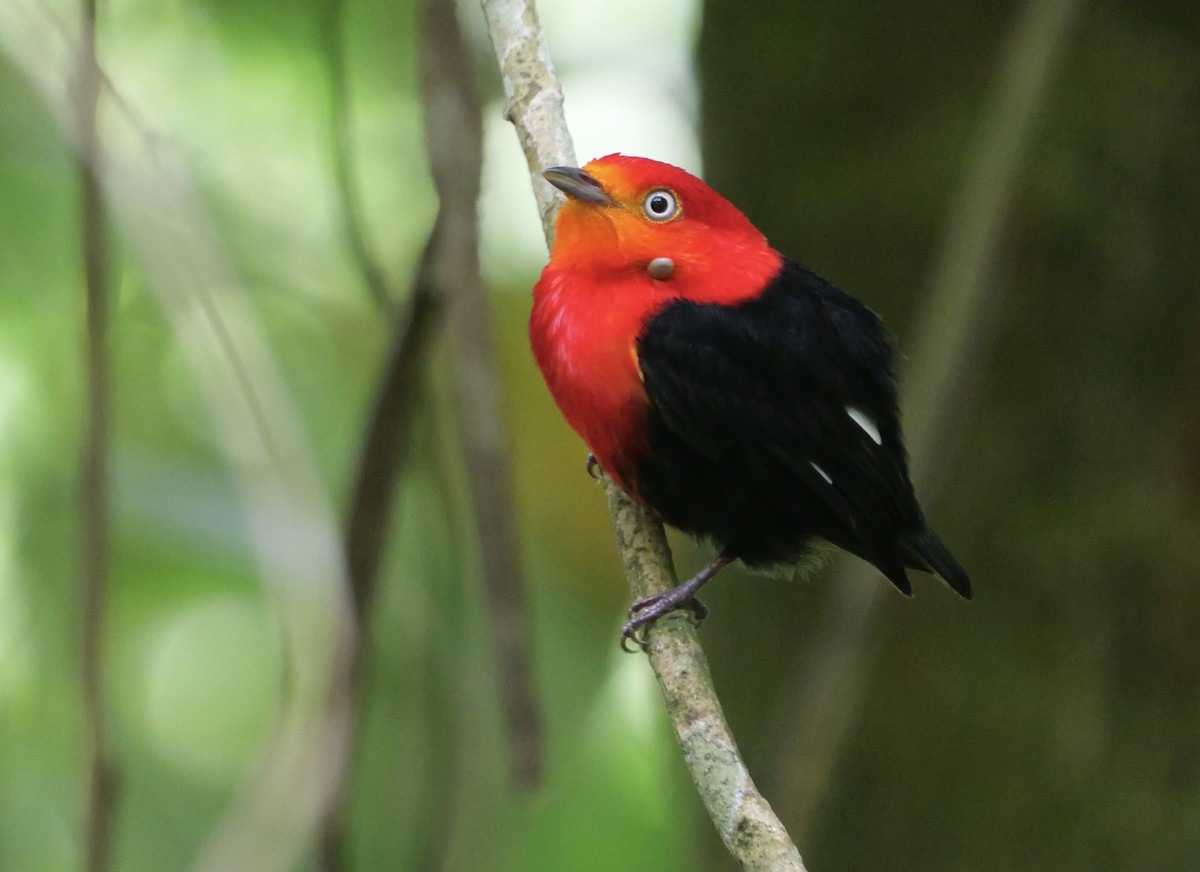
[[593, 466], [646, 611]]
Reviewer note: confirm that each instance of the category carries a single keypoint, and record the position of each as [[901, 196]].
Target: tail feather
[[925, 551], [893, 570]]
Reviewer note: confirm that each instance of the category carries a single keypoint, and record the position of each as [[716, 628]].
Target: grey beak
[[575, 183]]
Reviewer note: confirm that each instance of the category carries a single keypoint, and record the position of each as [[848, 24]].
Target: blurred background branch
[[948, 350], [448, 278], [385, 452], [454, 143], [341, 146], [101, 778], [254, 421], [386, 447]]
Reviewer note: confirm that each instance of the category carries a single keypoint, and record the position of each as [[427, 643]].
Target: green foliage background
[[1049, 725]]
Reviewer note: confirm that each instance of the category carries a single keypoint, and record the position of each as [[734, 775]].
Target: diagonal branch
[[743, 818]]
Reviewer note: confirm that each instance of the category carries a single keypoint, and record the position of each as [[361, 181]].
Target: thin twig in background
[[341, 136], [448, 272], [383, 456], [743, 818], [279, 805], [454, 142], [446, 697], [818, 710], [94, 497], [292, 532], [387, 438], [386, 442]]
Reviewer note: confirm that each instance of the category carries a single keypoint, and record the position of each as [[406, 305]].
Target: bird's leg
[[646, 611], [593, 466]]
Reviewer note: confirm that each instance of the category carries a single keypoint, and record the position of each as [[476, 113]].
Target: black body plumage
[[774, 421]]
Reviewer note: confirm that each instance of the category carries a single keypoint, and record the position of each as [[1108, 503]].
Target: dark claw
[[593, 467], [632, 634], [645, 612]]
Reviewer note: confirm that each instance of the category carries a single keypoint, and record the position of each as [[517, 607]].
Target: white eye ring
[[660, 205]]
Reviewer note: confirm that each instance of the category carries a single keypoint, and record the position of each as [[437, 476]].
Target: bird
[[743, 399]]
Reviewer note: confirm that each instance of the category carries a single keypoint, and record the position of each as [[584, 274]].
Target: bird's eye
[[660, 205]]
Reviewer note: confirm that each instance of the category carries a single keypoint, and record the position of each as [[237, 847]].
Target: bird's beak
[[575, 183]]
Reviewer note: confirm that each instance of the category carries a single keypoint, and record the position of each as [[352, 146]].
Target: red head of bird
[[623, 213]]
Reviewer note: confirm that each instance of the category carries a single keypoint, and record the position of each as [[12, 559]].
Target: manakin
[[742, 398]]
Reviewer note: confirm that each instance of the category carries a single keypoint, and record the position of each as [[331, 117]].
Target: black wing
[[775, 420]]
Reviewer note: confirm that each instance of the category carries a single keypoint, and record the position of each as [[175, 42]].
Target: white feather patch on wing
[[863, 420]]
